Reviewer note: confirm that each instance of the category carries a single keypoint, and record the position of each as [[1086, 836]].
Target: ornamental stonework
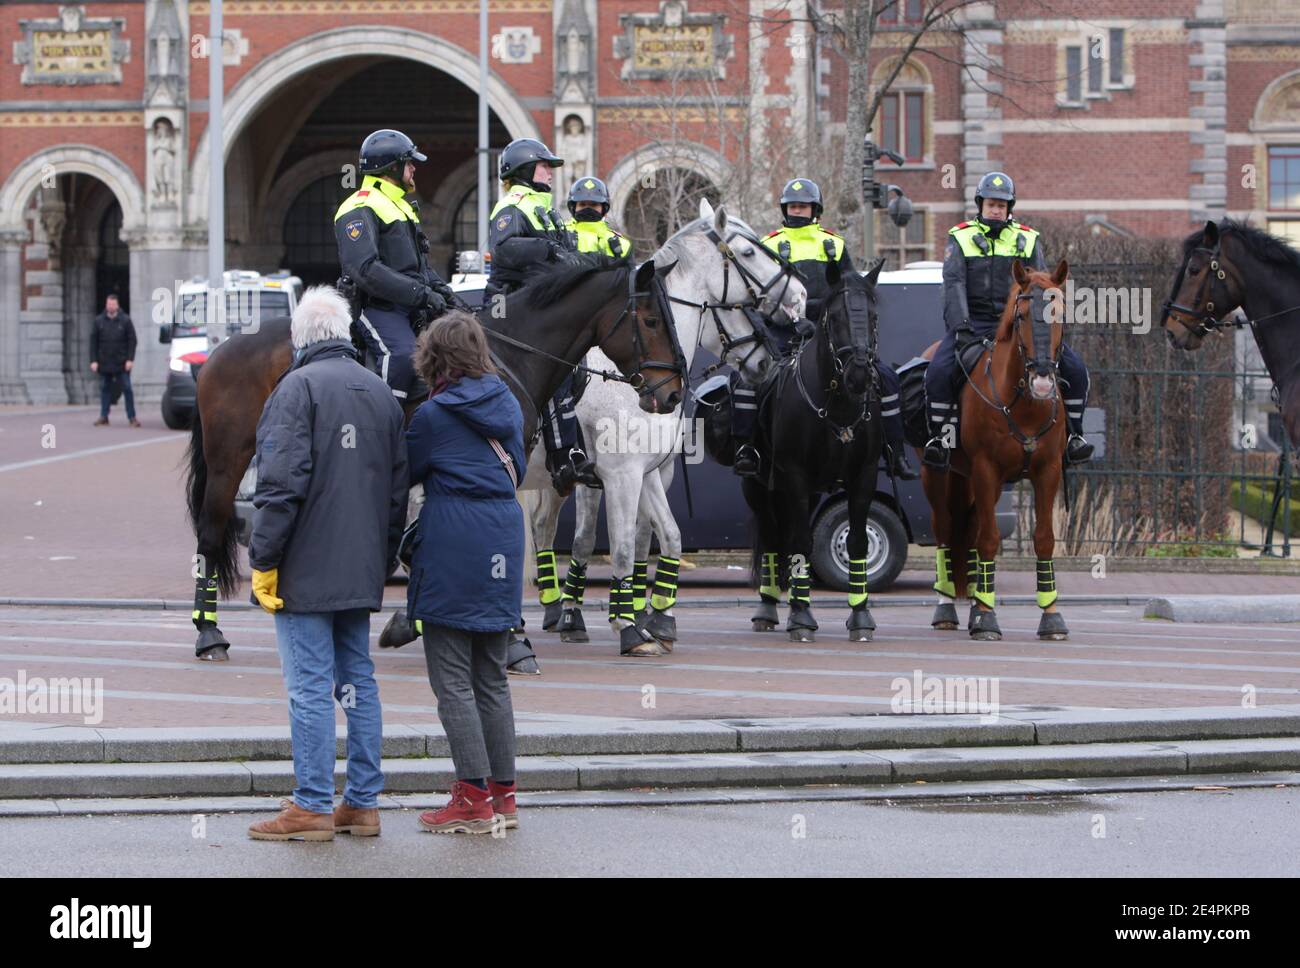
[[72, 49]]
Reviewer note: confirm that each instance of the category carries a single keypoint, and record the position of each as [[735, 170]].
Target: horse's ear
[[663, 270], [1020, 273], [645, 273], [1210, 237], [833, 273], [1060, 273], [720, 220], [706, 210], [874, 272]]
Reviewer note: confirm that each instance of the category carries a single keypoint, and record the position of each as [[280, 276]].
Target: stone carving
[[516, 45], [163, 189], [72, 49], [673, 43], [573, 54]]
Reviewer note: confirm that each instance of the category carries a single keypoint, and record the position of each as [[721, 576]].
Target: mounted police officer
[[976, 283], [811, 249], [384, 257], [589, 204], [526, 230]]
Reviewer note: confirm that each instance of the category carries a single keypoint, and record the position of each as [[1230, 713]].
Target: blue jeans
[[326, 656], [106, 382]]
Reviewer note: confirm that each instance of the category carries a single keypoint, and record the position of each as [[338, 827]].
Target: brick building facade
[[1140, 116]]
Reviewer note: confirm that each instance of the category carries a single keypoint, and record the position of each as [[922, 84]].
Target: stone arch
[[66, 159], [1271, 115], [261, 83], [624, 177]]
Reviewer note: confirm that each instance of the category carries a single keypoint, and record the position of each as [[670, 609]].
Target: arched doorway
[[662, 203], [309, 247]]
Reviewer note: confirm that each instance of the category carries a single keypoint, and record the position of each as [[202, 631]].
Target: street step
[[630, 771]]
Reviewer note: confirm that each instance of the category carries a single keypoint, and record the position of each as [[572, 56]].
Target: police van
[[250, 296]]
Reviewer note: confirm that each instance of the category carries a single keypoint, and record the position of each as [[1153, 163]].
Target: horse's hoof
[[551, 617], [766, 618], [945, 617], [801, 634], [1052, 627], [572, 628], [211, 645], [984, 626], [861, 626], [633, 641], [661, 625], [763, 625], [521, 660], [398, 632], [801, 625]]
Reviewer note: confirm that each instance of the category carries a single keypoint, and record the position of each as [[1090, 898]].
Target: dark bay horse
[[1012, 426], [818, 429], [1229, 266], [538, 334]]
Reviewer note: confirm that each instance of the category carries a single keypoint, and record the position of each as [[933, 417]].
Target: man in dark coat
[[112, 354], [328, 514]]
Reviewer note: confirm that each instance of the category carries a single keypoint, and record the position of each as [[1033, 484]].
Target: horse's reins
[[1206, 321], [1027, 441], [845, 433]]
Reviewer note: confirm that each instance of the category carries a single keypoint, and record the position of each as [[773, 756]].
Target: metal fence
[[1194, 462]]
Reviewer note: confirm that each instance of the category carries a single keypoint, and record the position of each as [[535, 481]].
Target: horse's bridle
[[756, 293], [1206, 322], [839, 355], [1028, 441], [637, 381]]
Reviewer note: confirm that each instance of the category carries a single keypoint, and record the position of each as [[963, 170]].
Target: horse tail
[[221, 555]]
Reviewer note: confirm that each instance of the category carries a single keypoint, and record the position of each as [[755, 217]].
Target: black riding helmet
[[996, 184], [800, 190], [385, 149], [524, 153], [589, 190]]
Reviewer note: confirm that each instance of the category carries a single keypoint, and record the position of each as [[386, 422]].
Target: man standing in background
[[112, 354]]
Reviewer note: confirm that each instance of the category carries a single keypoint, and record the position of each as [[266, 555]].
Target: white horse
[[721, 270]]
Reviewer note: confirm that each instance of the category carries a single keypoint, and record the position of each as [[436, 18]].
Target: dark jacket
[[468, 562], [112, 342], [976, 288], [517, 245], [331, 491]]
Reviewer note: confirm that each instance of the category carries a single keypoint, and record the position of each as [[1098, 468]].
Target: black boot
[[584, 469], [1078, 450], [747, 461], [896, 460], [936, 455]]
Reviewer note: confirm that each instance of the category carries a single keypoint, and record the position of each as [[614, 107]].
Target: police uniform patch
[[503, 221], [355, 228]]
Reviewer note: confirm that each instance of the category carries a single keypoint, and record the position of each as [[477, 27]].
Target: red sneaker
[[503, 803], [469, 812]]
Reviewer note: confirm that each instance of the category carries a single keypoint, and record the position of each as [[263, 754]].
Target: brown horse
[[1012, 426], [545, 330]]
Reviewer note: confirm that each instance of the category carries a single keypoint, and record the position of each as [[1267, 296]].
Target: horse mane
[[690, 227], [545, 284], [1260, 244]]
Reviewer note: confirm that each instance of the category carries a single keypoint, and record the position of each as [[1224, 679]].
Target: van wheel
[[174, 417], [886, 546]]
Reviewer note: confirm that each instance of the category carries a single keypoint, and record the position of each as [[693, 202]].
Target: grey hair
[[322, 314]]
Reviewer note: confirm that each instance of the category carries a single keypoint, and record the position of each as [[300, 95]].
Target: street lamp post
[[216, 179], [878, 195]]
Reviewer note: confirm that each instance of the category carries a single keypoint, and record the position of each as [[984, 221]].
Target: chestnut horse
[[545, 331], [1012, 426]]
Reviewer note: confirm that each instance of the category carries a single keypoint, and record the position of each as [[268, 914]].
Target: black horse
[[1229, 266], [538, 336], [819, 429]]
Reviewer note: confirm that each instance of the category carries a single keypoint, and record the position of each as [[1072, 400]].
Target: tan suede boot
[[357, 821], [294, 823]]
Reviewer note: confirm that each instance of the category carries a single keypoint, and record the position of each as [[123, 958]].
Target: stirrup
[[936, 455], [747, 460], [1078, 450], [584, 470]]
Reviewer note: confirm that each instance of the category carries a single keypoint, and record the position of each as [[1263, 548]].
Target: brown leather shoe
[[357, 821], [101, 422], [294, 823], [136, 423]]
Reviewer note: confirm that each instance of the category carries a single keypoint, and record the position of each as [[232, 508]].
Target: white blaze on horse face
[[1042, 387]]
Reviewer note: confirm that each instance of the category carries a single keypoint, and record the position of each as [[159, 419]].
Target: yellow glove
[[264, 588]]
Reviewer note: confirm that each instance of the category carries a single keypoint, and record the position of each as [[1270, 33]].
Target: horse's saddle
[[969, 350]]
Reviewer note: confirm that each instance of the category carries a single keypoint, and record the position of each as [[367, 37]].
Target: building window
[[1074, 75], [1092, 66], [899, 246], [1284, 178], [910, 11], [1096, 68], [1116, 56], [902, 124]]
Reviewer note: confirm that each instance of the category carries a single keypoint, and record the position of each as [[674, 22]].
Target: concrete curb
[[855, 767], [1047, 790], [1225, 608], [1014, 726]]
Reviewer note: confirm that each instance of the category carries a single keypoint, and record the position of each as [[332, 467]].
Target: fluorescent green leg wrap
[[419, 627], [575, 582], [857, 582], [943, 583], [770, 587], [639, 571], [1046, 582], [665, 589], [205, 601], [983, 585], [620, 599], [800, 588], [548, 580]]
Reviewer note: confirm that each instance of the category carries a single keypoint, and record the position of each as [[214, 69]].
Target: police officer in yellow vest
[[384, 253], [976, 283], [589, 204], [811, 249], [526, 230]]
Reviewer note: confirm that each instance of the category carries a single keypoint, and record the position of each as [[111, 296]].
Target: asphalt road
[[1240, 833]]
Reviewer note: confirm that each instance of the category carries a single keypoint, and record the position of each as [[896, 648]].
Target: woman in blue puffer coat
[[465, 445]]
